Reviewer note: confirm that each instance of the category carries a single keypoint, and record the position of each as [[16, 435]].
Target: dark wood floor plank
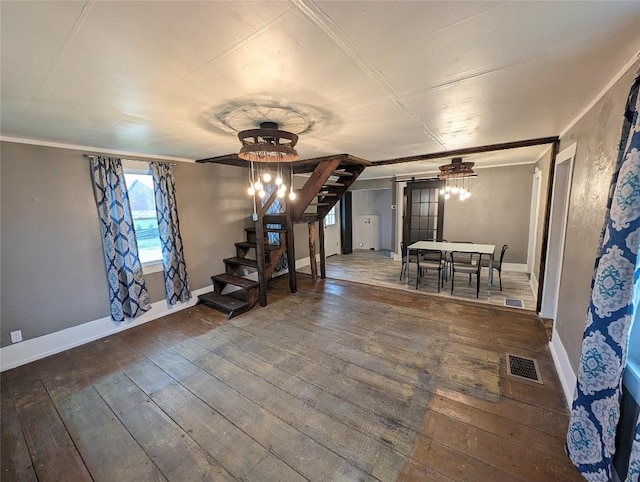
[[246, 349], [53, 453], [175, 453], [88, 418], [15, 462], [238, 453], [298, 450], [365, 452], [339, 381], [513, 458]]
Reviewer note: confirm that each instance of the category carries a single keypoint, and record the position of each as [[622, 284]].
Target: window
[[330, 219], [143, 209]]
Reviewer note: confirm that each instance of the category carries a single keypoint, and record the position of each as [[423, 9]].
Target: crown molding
[[634, 58], [93, 150]]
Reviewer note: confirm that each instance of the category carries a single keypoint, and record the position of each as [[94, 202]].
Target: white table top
[[463, 247]]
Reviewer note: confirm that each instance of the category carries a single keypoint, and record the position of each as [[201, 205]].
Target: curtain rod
[[93, 156]]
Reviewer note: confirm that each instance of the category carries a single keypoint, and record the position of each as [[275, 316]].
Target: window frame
[[331, 215], [134, 167]]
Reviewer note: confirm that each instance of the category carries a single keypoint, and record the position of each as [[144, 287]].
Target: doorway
[[533, 227], [424, 212], [557, 231]]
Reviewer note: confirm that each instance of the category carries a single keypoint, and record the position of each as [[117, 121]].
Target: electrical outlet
[[16, 336]]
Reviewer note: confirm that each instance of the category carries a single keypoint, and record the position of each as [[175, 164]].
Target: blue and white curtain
[[278, 206], [615, 293], [127, 291], [175, 269]]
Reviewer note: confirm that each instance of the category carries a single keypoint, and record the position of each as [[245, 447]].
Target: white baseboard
[[566, 374], [302, 262], [517, 267], [12, 356]]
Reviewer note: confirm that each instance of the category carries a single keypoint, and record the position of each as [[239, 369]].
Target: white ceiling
[[377, 80]]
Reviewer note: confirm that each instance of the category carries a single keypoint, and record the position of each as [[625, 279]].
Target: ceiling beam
[[303, 166], [469, 150]]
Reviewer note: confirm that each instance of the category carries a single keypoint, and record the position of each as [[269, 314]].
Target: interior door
[[332, 233], [424, 212]]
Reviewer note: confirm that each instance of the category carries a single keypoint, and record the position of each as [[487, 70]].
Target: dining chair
[[461, 263], [432, 260], [462, 257], [414, 258], [484, 263]]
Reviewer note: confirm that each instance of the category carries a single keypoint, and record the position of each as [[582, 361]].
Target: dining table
[[481, 249]]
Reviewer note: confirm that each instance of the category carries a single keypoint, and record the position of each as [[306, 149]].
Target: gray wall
[[53, 274], [597, 135], [374, 201], [496, 213]]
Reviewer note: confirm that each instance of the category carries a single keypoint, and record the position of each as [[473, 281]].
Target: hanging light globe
[[447, 195], [262, 194], [251, 191], [267, 177], [292, 195], [258, 186], [278, 181], [442, 191]]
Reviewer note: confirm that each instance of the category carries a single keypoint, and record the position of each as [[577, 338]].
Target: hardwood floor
[[340, 381], [378, 269]]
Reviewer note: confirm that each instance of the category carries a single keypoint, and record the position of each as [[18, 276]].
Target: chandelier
[[268, 147], [456, 176]]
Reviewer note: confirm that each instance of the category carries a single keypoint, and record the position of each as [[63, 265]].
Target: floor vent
[[521, 367], [514, 302]]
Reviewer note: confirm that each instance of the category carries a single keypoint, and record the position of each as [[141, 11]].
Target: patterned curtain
[[614, 299], [176, 284], [127, 291]]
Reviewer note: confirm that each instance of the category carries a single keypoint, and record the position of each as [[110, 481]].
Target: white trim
[[561, 361], [533, 281], [625, 68], [152, 267], [632, 379], [12, 356], [75, 147], [567, 155], [534, 213], [515, 267], [306, 261]]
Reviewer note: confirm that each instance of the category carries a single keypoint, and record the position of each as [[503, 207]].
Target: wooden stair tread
[[342, 172], [319, 204], [239, 281], [249, 244], [275, 218], [251, 263], [308, 218], [333, 184], [327, 194], [223, 302], [270, 230]]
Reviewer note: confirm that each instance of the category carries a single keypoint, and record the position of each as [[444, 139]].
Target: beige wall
[[53, 274], [496, 213], [597, 135]]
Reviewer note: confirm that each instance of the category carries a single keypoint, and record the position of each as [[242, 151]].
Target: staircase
[[246, 292], [330, 178]]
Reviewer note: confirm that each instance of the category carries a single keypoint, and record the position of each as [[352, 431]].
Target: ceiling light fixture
[[456, 176], [268, 146]]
